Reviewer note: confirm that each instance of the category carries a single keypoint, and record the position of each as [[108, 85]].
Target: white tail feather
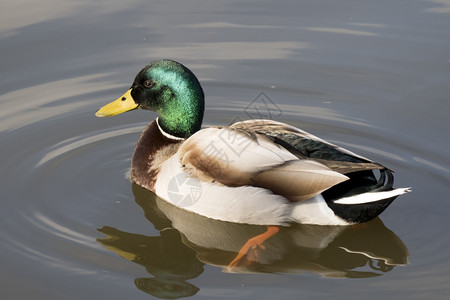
[[371, 196]]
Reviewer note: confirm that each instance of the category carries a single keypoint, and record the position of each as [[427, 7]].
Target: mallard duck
[[255, 172]]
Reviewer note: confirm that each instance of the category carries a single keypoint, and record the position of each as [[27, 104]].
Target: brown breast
[[152, 149]]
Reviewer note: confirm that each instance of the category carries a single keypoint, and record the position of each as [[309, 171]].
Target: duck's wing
[[238, 157], [305, 145], [359, 169]]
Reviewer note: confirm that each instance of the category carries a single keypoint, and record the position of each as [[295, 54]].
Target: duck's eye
[[148, 83]]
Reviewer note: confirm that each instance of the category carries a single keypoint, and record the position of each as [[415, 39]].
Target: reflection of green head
[[165, 257], [166, 289]]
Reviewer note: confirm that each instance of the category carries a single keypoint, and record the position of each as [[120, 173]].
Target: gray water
[[371, 76]]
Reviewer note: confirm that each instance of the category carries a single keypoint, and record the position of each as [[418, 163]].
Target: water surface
[[372, 77]]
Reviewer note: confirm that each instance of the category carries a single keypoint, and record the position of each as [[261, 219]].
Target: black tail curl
[[360, 182]]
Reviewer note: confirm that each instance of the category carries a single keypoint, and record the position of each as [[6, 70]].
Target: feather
[[372, 196], [307, 144], [299, 179]]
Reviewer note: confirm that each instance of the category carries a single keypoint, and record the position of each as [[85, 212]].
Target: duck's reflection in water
[[187, 241]]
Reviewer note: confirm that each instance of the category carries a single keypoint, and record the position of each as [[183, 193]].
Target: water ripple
[[72, 144]]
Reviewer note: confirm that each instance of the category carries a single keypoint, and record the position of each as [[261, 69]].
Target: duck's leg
[[250, 251]]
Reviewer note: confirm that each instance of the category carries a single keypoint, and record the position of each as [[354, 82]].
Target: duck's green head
[[171, 90]]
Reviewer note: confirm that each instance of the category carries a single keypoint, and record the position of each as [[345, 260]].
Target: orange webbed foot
[[250, 252]]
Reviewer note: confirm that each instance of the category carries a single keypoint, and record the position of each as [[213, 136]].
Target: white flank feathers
[[315, 211], [245, 204]]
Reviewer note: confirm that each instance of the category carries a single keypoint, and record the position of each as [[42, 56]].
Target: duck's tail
[[372, 196], [363, 204]]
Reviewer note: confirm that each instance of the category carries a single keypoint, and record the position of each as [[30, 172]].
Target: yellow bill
[[121, 105]]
